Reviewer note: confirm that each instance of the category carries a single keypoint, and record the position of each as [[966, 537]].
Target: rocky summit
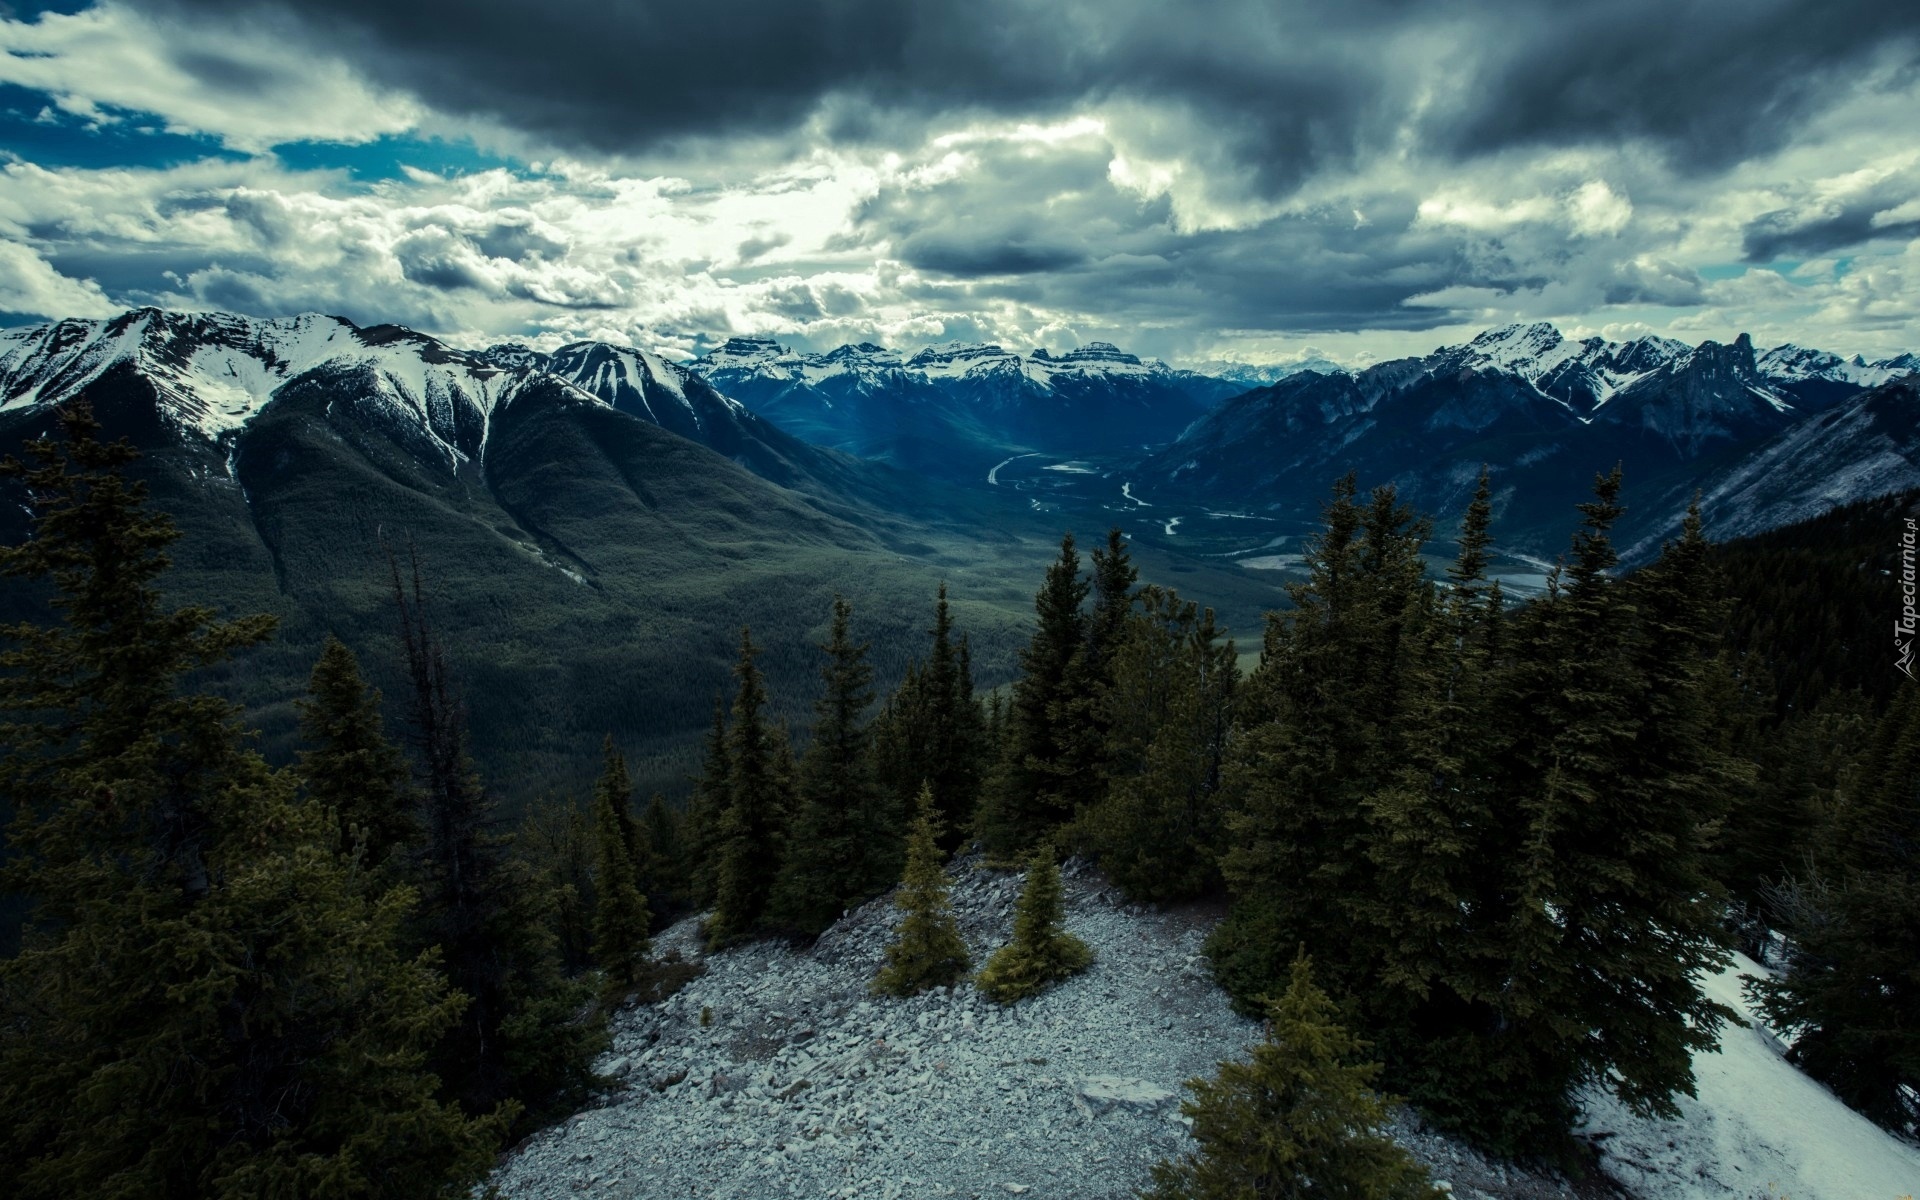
[[776, 1073]]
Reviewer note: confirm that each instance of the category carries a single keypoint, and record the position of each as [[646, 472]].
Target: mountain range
[[953, 409], [596, 522], [1543, 413]]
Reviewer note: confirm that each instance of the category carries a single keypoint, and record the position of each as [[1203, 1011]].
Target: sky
[[1258, 181]]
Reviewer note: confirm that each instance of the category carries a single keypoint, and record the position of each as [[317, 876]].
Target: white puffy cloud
[[241, 81], [29, 285]]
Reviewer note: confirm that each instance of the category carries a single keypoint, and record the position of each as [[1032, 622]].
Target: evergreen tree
[[1613, 911], [555, 845], [1324, 729], [1438, 907], [620, 917], [926, 951], [1042, 952], [1851, 991], [351, 768], [210, 999], [1300, 1120], [706, 810], [930, 731], [844, 846], [1167, 713], [1029, 794], [1114, 577], [751, 830], [522, 1044], [666, 881]]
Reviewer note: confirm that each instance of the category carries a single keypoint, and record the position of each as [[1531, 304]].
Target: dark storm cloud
[[1789, 233], [1714, 83], [1288, 87]]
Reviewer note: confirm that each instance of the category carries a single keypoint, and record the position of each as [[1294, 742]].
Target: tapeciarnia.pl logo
[[1903, 629]]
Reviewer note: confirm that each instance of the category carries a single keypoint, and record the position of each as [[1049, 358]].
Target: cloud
[[1839, 213], [1285, 89], [30, 286], [251, 81]]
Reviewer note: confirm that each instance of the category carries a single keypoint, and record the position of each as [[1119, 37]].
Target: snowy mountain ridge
[[764, 358], [212, 373]]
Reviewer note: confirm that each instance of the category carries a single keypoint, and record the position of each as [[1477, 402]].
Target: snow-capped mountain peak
[[213, 372]]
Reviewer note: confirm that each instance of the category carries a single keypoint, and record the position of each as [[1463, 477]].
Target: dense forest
[[1492, 843]]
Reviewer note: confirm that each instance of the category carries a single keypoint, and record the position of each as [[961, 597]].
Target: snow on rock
[[1759, 1129]]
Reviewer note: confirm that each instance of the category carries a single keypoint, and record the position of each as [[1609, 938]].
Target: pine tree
[[1300, 1120], [926, 951], [1851, 991], [1114, 577], [620, 917], [1025, 800], [351, 768], [1611, 911], [930, 731], [522, 1045], [752, 829], [1323, 729], [1438, 906], [210, 999], [706, 810], [1041, 953], [555, 846], [666, 881], [1167, 713], [843, 846]]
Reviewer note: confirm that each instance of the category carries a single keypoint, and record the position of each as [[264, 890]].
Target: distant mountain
[[952, 409], [595, 525], [1246, 376], [1867, 447], [1542, 411]]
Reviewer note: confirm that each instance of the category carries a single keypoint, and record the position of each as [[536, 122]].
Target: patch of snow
[[1759, 1128]]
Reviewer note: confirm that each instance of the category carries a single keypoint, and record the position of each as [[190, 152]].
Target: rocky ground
[[777, 1074]]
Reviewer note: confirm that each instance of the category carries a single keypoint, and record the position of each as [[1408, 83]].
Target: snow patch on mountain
[[214, 372]]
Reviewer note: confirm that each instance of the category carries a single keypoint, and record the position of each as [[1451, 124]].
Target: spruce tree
[[522, 1044], [1851, 990], [351, 768], [844, 845], [1438, 907], [706, 809], [926, 951], [1300, 1120], [666, 881], [1324, 728], [1029, 795], [1167, 712], [1042, 952], [210, 999], [555, 846], [930, 731], [620, 917], [1611, 909], [752, 829]]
